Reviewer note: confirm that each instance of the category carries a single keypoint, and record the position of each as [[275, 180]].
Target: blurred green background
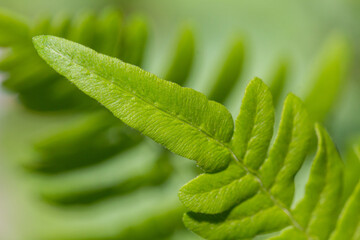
[[298, 31]]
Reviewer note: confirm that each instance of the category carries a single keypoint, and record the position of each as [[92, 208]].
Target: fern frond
[[247, 190]]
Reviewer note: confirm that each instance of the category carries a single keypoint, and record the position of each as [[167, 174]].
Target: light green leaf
[[241, 224], [329, 78], [181, 119], [288, 151], [348, 225], [261, 205], [254, 125], [278, 80], [180, 66], [351, 170], [218, 192], [229, 72], [134, 41], [317, 212], [110, 32]]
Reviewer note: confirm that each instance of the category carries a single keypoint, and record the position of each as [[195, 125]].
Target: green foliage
[[135, 37], [96, 138], [42, 89], [179, 69], [348, 225], [86, 191], [329, 77], [229, 72], [247, 190], [279, 80], [12, 29]]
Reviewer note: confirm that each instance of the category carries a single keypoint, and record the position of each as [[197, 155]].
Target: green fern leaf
[[209, 124], [262, 198]]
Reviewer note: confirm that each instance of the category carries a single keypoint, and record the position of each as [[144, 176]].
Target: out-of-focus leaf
[[229, 72], [278, 80], [135, 40], [182, 62], [100, 137], [329, 79], [85, 190], [13, 29]]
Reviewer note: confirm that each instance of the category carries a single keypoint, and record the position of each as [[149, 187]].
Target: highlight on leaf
[[248, 187]]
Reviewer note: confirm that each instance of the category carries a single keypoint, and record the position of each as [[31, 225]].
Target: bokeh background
[[298, 31]]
